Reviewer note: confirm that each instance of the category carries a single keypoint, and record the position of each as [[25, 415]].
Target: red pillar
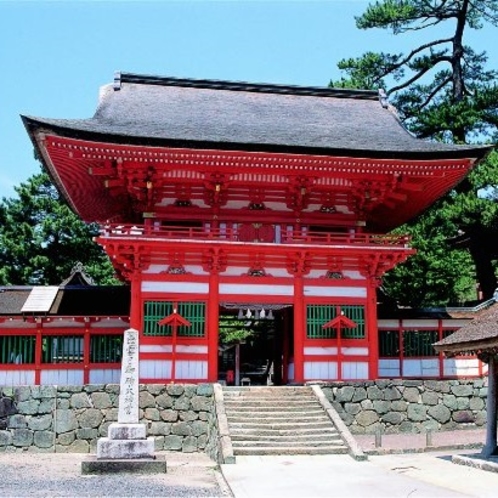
[[299, 328], [213, 311], [86, 352], [136, 302], [372, 331], [38, 351]]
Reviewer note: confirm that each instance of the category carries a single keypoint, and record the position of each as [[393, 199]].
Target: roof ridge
[[243, 86]]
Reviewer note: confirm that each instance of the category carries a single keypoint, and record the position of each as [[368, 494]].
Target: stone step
[[278, 425], [291, 450], [234, 401], [304, 433], [298, 414], [309, 438], [267, 394], [280, 417], [286, 444]]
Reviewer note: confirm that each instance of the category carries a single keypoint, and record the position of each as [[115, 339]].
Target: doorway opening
[[255, 341]]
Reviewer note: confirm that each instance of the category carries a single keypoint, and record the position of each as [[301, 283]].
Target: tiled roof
[[72, 301], [477, 335], [151, 110]]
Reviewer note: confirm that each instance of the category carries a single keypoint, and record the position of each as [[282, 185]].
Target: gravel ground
[[59, 474]]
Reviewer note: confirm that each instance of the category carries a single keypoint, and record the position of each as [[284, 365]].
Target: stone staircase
[[279, 421]]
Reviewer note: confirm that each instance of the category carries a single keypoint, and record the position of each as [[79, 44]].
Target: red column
[[299, 328], [372, 331], [136, 302], [38, 351], [86, 353], [213, 325]]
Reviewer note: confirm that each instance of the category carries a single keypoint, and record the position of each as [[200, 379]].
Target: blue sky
[[54, 55]]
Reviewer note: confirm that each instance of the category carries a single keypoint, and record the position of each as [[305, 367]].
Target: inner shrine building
[[231, 206]]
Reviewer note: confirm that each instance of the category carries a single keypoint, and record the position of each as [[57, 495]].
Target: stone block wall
[[409, 406], [72, 418]]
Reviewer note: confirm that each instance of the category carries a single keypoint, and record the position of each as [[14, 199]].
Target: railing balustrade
[[232, 234]]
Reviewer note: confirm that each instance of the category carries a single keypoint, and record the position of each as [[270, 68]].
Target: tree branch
[[414, 52], [418, 75]]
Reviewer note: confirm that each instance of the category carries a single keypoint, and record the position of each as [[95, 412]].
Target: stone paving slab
[[59, 475]]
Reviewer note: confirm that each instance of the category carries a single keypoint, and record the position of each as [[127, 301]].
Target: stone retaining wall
[[72, 418], [409, 406], [182, 417]]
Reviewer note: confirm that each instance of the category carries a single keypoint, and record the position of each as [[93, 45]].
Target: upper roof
[[152, 110]]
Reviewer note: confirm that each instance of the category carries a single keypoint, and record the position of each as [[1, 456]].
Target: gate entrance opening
[[255, 343]]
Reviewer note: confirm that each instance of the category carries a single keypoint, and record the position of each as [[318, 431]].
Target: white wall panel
[[391, 324], [389, 368], [320, 370], [290, 371], [354, 351], [461, 367], [354, 370], [421, 368], [323, 291], [256, 290], [315, 351], [168, 348], [61, 377], [191, 369], [105, 376], [176, 287], [155, 369], [17, 377]]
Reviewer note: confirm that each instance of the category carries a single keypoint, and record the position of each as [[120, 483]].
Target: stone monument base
[[94, 465], [127, 449]]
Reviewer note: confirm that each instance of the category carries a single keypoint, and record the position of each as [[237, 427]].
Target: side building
[[241, 207]]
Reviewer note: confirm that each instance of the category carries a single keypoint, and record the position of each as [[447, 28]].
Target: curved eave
[[444, 152], [88, 197]]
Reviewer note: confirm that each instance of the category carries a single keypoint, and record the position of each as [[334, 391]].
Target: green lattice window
[[17, 349], [319, 315], [62, 349], [106, 348], [389, 343], [419, 342], [155, 311]]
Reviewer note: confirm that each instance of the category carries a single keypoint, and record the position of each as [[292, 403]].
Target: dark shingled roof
[[85, 300], [477, 336], [151, 110]]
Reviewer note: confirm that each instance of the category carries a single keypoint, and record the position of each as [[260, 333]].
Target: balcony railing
[[234, 234]]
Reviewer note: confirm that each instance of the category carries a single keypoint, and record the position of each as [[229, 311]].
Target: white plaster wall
[[320, 370], [191, 369], [168, 348], [354, 370], [389, 368], [421, 367], [176, 287], [105, 376], [461, 367], [61, 377], [322, 291], [17, 377]]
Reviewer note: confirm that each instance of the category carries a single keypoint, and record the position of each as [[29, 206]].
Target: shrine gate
[[223, 202]]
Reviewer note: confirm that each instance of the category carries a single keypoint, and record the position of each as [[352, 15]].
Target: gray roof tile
[[218, 114]]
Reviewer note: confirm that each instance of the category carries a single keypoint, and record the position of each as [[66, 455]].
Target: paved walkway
[[415, 472], [403, 466]]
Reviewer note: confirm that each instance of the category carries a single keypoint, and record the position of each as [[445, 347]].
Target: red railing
[[284, 236]]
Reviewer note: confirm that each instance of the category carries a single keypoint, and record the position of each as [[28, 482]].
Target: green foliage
[[442, 91], [41, 239], [232, 330]]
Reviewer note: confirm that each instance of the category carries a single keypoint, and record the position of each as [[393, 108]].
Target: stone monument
[[127, 447]]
